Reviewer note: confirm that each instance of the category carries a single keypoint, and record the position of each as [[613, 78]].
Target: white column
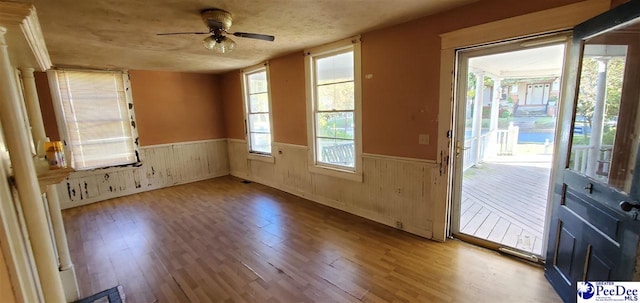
[[33, 104], [26, 180], [495, 112], [595, 143], [67, 272], [476, 127]]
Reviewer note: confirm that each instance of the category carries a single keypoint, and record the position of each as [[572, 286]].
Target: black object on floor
[[112, 295]]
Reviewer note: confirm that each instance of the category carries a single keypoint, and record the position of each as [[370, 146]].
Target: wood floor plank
[[476, 221], [499, 230], [224, 241], [485, 229], [516, 193]]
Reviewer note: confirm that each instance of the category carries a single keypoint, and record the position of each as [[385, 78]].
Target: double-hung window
[[95, 117], [333, 90], [257, 109]]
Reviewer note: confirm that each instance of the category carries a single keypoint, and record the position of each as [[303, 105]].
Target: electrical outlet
[[399, 224], [423, 139]]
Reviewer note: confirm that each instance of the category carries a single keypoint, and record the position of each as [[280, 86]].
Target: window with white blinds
[[95, 117]]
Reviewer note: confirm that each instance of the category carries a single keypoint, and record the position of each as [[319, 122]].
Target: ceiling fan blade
[[183, 33], [254, 36]]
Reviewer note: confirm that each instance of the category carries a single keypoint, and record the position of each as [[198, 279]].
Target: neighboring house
[[531, 97]]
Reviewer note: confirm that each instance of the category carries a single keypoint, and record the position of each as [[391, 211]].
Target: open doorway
[[506, 107]]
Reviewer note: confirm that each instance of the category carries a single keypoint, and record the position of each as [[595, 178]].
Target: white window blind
[[95, 117]]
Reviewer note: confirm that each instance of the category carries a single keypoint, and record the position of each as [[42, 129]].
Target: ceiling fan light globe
[[209, 42], [224, 45]]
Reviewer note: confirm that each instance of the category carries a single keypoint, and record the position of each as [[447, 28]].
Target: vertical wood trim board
[[393, 190], [162, 166]]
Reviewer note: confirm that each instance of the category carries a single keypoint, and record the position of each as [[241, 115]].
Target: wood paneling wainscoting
[[221, 240], [397, 192], [162, 165]]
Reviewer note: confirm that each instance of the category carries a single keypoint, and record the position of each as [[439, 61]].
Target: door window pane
[[605, 130]]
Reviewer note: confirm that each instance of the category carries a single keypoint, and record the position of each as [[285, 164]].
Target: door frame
[[541, 22], [463, 55]]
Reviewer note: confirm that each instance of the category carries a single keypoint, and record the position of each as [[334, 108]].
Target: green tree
[[471, 85]]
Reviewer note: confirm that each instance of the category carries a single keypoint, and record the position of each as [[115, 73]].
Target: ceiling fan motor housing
[[217, 19]]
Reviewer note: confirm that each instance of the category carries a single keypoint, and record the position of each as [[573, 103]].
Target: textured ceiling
[[120, 34]]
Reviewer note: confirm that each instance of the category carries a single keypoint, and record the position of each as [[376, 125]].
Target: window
[[95, 117], [333, 88], [258, 117]]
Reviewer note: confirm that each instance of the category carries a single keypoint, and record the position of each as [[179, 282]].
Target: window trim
[[61, 124], [314, 166], [256, 155]]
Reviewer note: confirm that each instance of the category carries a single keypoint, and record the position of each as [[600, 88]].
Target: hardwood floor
[[222, 240]]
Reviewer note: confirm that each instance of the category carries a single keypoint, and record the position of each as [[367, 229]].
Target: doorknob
[[589, 188], [628, 206]]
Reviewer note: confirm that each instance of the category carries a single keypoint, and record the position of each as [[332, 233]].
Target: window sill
[[335, 172], [261, 157], [52, 177], [106, 170]]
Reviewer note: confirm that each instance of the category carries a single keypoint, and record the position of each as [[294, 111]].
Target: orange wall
[[46, 106], [176, 107], [400, 101], [232, 100], [289, 106]]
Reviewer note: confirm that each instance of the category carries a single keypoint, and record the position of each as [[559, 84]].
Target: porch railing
[[580, 159], [507, 140], [504, 145]]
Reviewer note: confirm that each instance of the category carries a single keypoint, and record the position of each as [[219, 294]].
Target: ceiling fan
[[219, 21]]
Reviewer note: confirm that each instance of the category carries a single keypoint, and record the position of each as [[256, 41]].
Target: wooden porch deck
[[504, 201]]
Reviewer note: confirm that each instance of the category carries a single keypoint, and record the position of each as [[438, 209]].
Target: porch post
[[595, 142], [495, 111], [476, 127]]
